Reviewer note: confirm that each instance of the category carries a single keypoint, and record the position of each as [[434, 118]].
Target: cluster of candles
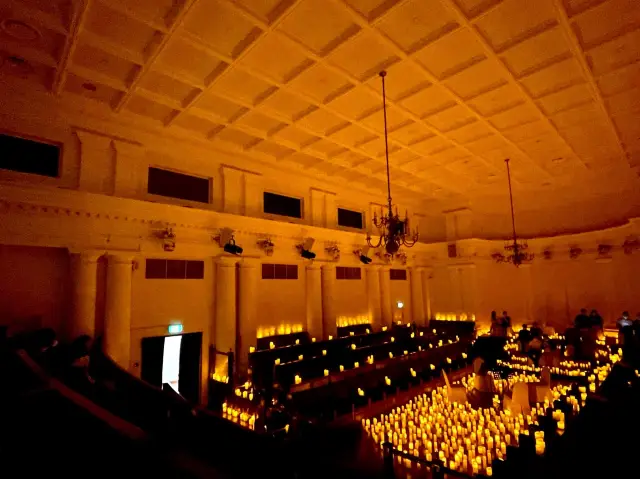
[[222, 378], [467, 439], [239, 416], [246, 391], [454, 317], [279, 330], [343, 321], [464, 439]]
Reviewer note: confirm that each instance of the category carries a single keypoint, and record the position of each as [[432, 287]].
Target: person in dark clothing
[[496, 325], [536, 331], [595, 319], [506, 322], [582, 320], [625, 330], [524, 336]]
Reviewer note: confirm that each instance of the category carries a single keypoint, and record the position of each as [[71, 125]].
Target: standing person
[[624, 327], [582, 320], [506, 321], [524, 336], [494, 324], [595, 319]]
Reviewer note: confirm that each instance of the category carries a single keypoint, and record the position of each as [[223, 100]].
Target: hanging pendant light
[[394, 231], [516, 251]]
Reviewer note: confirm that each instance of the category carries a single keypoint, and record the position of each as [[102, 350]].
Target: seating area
[[523, 431]]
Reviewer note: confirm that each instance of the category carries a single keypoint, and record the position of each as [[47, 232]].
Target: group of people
[[584, 320], [500, 326]]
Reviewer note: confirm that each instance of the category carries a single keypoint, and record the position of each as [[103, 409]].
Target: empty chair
[[519, 400], [455, 393]]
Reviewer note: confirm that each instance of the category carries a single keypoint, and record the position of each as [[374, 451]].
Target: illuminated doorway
[[174, 361], [171, 362]]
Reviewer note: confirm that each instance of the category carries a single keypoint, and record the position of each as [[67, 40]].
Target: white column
[[247, 309], [117, 310], [329, 326], [417, 301], [373, 295], [84, 271], [427, 276], [314, 300], [385, 296], [226, 326]]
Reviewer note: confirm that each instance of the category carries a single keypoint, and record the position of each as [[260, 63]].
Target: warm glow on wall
[[265, 332], [343, 321]]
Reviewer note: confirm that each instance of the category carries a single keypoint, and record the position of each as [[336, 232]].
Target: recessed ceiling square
[[320, 83], [353, 135], [403, 79], [513, 21], [356, 102], [104, 63], [286, 104], [479, 78], [180, 54], [295, 135], [319, 25], [428, 101], [534, 53], [322, 122], [220, 26], [119, 28], [451, 118], [225, 109], [451, 53], [363, 56], [150, 109], [238, 84], [276, 58], [262, 123], [553, 78], [416, 23], [195, 124], [161, 84]]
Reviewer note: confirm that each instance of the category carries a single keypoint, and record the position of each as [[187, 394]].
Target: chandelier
[[394, 231], [516, 251]]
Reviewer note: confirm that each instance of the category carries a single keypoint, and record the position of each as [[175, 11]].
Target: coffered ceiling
[[552, 84]]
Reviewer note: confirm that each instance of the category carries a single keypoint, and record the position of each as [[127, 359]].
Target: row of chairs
[[340, 395]]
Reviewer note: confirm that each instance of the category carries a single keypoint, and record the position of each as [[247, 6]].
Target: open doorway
[[174, 361], [171, 362]]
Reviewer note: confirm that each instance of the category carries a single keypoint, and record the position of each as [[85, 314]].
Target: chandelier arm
[[371, 244]]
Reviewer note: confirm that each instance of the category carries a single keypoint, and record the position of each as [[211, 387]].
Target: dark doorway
[[175, 360]]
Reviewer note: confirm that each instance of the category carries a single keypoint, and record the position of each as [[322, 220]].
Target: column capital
[[312, 267], [120, 257], [372, 268], [328, 266], [385, 267], [417, 268], [227, 261], [86, 256], [249, 263]]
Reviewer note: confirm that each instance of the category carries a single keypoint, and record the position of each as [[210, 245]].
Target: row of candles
[[454, 317], [238, 415], [265, 332]]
